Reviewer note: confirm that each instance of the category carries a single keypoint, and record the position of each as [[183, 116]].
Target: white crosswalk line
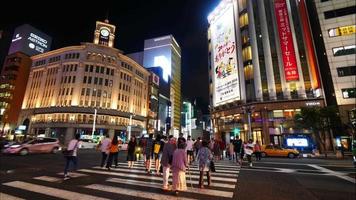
[[214, 178], [73, 174], [49, 191], [141, 171], [134, 193], [224, 185], [4, 196], [158, 185], [48, 179]]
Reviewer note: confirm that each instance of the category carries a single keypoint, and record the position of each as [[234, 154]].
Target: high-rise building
[[26, 41], [263, 69], [89, 89], [165, 52], [335, 28]]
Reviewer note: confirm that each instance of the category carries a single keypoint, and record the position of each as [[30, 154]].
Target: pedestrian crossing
[[122, 183]]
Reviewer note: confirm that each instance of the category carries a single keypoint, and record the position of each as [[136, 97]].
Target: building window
[[97, 69], [345, 50], [100, 81], [342, 31], [89, 80], [102, 70], [91, 68], [83, 91], [348, 93], [112, 72], [346, 71], [86, 68], [106, 82], [85, 79], [340, 12], [73, 81], [88, 92], [96, 80], [243, 20]]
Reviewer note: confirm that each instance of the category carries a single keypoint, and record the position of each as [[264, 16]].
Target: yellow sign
[[346, 30]]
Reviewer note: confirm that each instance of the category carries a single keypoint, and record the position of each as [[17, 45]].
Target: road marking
[[48, 179], [9, 197], [193, 171], [305, 164], [159, 185], [73, 174], [134, 193], [148, 177], [334, 173], [54, 192]]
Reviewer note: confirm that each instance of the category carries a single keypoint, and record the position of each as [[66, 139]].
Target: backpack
[[156, 148]]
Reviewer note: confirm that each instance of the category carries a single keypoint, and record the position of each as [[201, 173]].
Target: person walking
[[157, 150], [257, 149], [104, 146], [167, 158], [238, 148], [149, 152], [190, 151], [142, 144], [113, 152], [216, 149], [73, 147], [131, 154], [204, 158], [249, 151], [197, 146], [231, 151], [179, 166]]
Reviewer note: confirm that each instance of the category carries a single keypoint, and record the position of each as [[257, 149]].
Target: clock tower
[[104, 33]]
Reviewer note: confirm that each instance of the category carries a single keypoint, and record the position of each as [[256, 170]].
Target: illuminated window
[[341, 31], [348, 93], [246, 54], [248, 72], [243, 20], [346, 71], [345, 50]]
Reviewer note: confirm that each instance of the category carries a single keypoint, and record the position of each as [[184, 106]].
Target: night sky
[[70, 23]]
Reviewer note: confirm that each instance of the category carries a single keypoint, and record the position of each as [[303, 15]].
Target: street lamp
[[248, 110], [129, 127], [93, 131]]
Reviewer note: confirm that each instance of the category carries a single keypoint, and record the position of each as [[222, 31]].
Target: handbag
[[212, 166], [67, 152]]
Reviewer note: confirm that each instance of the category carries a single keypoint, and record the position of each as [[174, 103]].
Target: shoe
[[66, 177], [109, 168], [250, 164]]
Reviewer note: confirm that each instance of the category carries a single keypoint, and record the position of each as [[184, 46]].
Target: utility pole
[[93, 131]]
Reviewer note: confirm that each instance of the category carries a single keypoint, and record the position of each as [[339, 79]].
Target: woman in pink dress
[[179, 165]]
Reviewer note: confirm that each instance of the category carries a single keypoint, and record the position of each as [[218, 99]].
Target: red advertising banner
[[286, 41]]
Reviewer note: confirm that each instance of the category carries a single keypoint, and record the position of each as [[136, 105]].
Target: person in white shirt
[[190, 150], [104, 148], [72, 146], [248, 148]]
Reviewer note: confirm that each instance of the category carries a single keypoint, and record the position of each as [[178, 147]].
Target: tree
[[321, 121]]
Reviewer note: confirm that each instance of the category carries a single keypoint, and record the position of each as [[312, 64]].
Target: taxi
[[277, 151]]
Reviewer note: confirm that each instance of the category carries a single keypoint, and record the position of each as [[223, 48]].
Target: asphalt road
[[40, 177], [299, 179]]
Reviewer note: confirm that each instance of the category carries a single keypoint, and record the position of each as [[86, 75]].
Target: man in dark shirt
[[237, 149]]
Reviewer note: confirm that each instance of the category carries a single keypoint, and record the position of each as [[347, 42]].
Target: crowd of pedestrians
[[171, 155]]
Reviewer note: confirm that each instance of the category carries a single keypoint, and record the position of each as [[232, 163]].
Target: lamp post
[[248, 109], [129, 127], [93, 131]]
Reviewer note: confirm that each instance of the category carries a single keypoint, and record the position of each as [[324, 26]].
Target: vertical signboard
[[224, 57], [286, 41]]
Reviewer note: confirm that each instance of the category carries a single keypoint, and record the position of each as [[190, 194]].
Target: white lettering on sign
[[38, 40], [17, 37], [313, 103]]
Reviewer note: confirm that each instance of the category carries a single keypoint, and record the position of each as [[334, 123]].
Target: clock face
[[104, 32]]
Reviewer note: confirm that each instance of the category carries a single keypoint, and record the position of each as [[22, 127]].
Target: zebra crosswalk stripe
[[130, 192], [4, 196], [159, 185], [49, 191]]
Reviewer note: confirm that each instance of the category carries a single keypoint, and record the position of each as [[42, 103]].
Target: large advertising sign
[[226, 85], [286, 41], [30, 41]]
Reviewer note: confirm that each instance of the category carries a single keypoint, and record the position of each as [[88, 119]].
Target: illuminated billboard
[[286, 41], [30, 41], [226, 86]]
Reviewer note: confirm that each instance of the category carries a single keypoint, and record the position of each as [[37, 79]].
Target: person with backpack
[[167, 158], [71, 154], [113, 152], [157, 150]]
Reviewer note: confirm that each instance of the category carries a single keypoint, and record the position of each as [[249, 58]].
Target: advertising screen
[[297, 142], [224, 57], [30, 41]]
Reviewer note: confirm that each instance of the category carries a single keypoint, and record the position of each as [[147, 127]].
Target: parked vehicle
[[37, 145], [277, 151]]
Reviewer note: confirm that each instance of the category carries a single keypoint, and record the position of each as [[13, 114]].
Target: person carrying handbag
[[71, 155]]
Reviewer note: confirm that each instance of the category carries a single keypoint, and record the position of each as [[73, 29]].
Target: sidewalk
[[329, 155]]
